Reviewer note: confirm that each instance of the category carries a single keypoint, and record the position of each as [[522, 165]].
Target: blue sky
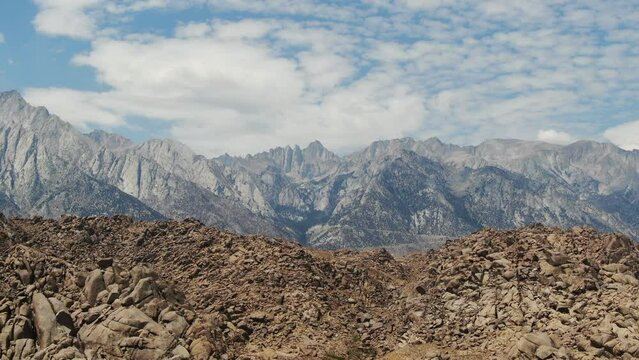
[[240, 76]]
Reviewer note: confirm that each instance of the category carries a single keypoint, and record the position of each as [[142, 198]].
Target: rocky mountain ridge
[[393, 193], [87, 288]]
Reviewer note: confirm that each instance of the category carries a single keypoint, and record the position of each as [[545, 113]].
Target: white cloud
[[227, 74], [625, 135], [229, 93], [243, 29], [554, 137], [2, 40], [325, 71], [76, 107], [235, 95], [66, 17], [82, 19], [192, 30], [350, 117], [348, 73]]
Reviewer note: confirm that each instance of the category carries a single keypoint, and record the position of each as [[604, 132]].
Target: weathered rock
[[508, 274], [194, 292], [180, 352], [24, 348], [259, 316], [22, 328], [44, 320], [201, 349], [526, 347], [544, 352], [113, 294], [173, 322], [143, 290], [105, 263], [94, 284], [128, 332], [63, 318]]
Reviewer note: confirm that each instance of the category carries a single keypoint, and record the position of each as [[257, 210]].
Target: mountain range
[[394, 192]]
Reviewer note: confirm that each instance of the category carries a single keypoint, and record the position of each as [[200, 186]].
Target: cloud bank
[[288, 72], [625, 135], [554, 137]]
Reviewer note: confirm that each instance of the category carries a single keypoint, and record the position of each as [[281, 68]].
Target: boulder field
[[117, 288]]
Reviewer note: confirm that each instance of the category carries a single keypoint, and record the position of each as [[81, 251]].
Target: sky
[[242, 76]]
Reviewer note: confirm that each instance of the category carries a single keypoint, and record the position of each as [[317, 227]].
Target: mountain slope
[[39, 171], [391, 193], [48, 168]]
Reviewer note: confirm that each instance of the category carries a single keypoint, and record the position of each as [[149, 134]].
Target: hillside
[[117, 287]]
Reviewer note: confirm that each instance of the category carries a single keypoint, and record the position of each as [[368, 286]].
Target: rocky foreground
[[108, 288]]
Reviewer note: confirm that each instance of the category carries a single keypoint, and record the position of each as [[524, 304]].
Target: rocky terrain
[[393, 193], [108, 288]]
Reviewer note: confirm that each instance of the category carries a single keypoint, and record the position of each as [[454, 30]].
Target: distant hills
[[393, 192]]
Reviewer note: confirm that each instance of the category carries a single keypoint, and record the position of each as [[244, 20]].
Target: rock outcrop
[[109, 288], [534, 293], [56, 317]]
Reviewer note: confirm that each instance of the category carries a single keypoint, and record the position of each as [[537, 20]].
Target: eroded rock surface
[[110, 288], [534, 293], [56, 317]]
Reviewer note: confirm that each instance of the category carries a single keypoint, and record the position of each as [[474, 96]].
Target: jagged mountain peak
[[499, 150], [383, 146], [15, 110], [167, 147], [109, 140], [11, 103], [381, 149], [315, 144], [589, 145], [11, 95], [316, 151], [293, 159]]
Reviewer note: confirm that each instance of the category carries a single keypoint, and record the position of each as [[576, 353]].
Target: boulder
[[144, 289], [129, 333], [105, 263], [44, 319], [24, 348], [201, 349], [544, 352], [93, 285]]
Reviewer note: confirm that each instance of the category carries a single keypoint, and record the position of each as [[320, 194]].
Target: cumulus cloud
[[70, 18], [554, 137], [229, 74], [231, 95], [78, 108], [192, 30], [625, 135], [351, 72], [2, 38]]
